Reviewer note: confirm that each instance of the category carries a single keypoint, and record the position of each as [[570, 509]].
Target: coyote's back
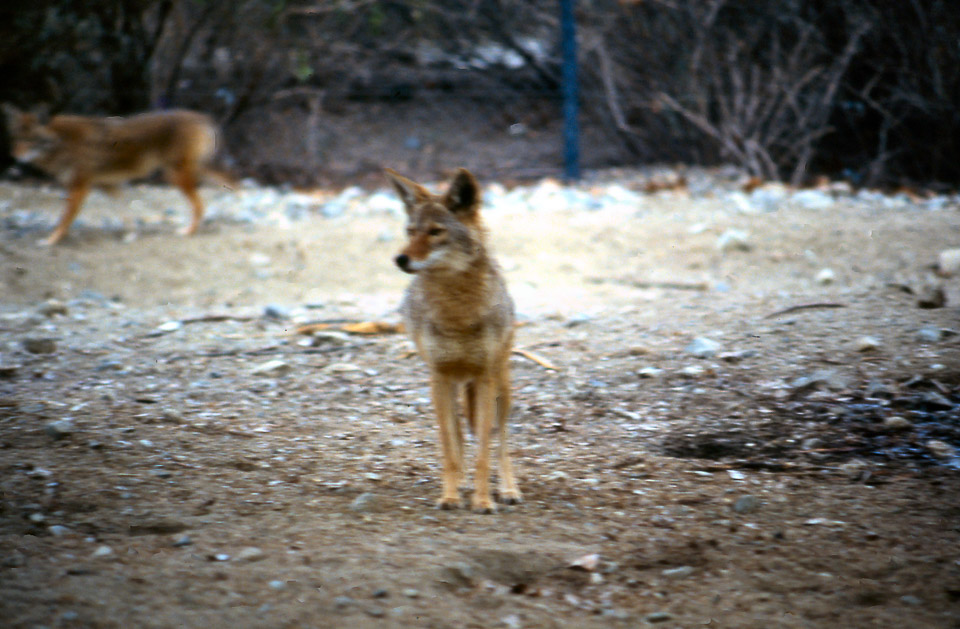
[[84, 151], [460, 316]]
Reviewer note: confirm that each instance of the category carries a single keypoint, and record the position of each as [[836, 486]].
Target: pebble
[[277, 584], [342, 602], [932, 296], [897, 422], [410, 593], [272, 368], [813, 199], [649, 372], [40, 345], [366, 502], [58, 530], [866, 344], [930, 334], [658, 617], [746, 504], [60, 429], [274, 311], [183, 540], [733, 240], [250, 554], [102, 551], [681, 572], [702, 347], [948, 262], [825, 276], [940, 449], [52, 307]]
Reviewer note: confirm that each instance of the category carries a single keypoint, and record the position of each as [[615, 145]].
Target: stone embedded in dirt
[[855, 470], [58, 530], [948, 262], [866, 344], [410, 592], [658, 617], [649, 372], [940, 449], [272, 368], [342, 602], [734, 240], [692, 371], [813, 199], [932, 296], [746, 504], [702, 347], [52, 307], [825, 276], [897, 422], [172, 416], [40, 345], [930, 334], [366, 502], [332, 337], [829, 378], [102, 551], [183, 540], [681, 572], [275, 311], [60, 429], [250, 554]]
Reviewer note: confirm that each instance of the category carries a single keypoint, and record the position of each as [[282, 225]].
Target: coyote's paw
[[483, 504], [448, 503], [509, 496]]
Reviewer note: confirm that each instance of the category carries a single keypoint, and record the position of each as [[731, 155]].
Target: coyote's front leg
[[444, 389]]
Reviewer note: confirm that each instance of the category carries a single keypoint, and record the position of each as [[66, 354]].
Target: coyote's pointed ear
[[409, 192], [463, 195]]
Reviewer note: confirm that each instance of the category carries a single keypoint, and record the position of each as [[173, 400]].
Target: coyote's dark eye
[[435, 231]]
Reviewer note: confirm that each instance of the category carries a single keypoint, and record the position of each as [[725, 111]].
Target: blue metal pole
[[571, 103]]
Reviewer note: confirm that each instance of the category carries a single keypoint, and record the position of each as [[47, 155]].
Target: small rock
[[866, 344], [169, 326], [897, 422], [930, 334], [948, 262], [855, 470], [102, 551], [649, 372], [813, 199], [733, 240], [277, 584], [940, 449], [272, 368], [702, 347], [172, 416], [410, 593], [183, 540], [658, 617], [380, 593], [250, 554], [825, 276], [678, 573], [274, 311], [909, 599], [325, 337], [578, 319], [746, 504], [932, 296], [52, 307], [693, 371], [341, 368], [58, 530], [40, 345], [365, 503], [60, 429], [342, 602]]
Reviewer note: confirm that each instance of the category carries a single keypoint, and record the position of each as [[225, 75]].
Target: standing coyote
[[83, 152], [460, 316]]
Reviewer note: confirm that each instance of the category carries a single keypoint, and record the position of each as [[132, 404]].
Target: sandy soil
[[801, 476]]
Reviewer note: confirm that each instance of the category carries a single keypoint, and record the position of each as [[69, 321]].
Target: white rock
[[866, 344], [733, 240], [948, 262], [825, 276], [272, 368], [702, 347], [813, 199]]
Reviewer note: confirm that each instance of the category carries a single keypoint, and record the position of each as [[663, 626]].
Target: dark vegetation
[[864, 90]]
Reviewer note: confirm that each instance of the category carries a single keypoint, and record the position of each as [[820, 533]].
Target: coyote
[[83, 152], [460, 317]]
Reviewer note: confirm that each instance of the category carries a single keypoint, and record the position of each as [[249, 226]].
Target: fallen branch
[[543, 362], [799, 307]]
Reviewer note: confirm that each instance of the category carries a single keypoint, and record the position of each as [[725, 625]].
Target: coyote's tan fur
[[83, 152], [460, 316]]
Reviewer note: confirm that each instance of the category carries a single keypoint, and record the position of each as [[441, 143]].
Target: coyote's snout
[[83, 152], [460, 317]]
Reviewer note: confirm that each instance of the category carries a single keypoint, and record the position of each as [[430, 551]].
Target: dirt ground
[[157, 469]]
